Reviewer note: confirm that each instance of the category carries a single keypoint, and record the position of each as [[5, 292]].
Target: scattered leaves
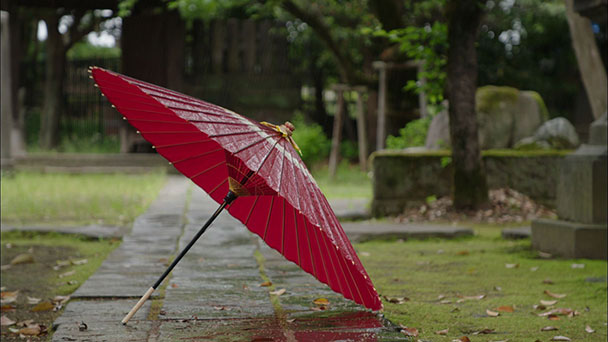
[[505, 308], [560, 338], [43, 306], [548, 281], [278, 292], [492, 313], [548, 302], [79, 262], [266, 284], [321, 301], [60, 299], [553, 317], [559, 311], [33, 300], [7, 308], [7, 297], [24, 258], [442, 332], [33, 329], [554, 295], [413, 332], [221, 308], [174, 285], [549, 328], [484, 331], [4, 321], [396, 300], [462, 339], [589, 329], [67, 274]]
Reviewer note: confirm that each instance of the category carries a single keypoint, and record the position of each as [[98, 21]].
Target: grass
[[432, 271], [30, 198], [39, 279], [349, 181]]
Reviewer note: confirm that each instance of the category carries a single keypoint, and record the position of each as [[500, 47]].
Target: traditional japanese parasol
[[251, 169]]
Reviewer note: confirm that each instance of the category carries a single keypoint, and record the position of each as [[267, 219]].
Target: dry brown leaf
[[511, 265], [33, 300], [4, 321], [396, 300], [266, 284], [549, 328], [33, 330], [43, 306], [548, 302], [560, 338], [462, 339], [8, 297], [484, 332], [548, 281], [554, 295], [25, 323], [319, 308], [589, 329], [221, 308], [291, 320], [463, 253], [278, 292], [67, 274], [7, 308], [321, 301], [505, 308], [60, 299], [539, 307], [409, 331], [25, 258], [492, 313], [442, 332], [553, 317], [174, 285]]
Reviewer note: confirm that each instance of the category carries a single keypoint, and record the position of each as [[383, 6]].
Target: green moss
[[489, 97], [454, 269], [541, 104]]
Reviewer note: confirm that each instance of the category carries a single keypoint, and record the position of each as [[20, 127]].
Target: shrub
[[312, 141], [413, 134]]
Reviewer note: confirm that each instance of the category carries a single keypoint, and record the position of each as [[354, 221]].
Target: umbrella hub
[[286, 131]]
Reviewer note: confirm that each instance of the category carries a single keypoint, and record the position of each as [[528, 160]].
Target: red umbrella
[[232, 157]]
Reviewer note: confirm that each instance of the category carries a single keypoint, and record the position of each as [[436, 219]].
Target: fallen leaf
[[553, 317], [291, 320], [321, 301], [539, 307], [554, 295], [505, 308], [549, 328], [4, 321], [578, 266], [33, 300], [266, 284], [396, 300], [278, 292], [25, 323], [558, 311], [484, 332], [589, 329], [319, 308], [534, 269], [409, 331], [492, 313], [60, 299], [548, 302], [511, 265], [25, 258], [462, 339], [221, 308], [560, 338], [7, 308], [440, 297], [174, 285], [32, 330], [79, 262], [43, 306], [463, 253], [497, 288], [442, 332], [67, 274], [8, 297], [548, 282], [72, 282]]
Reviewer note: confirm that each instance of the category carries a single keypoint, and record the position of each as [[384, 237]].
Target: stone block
[[581, 189], [597, 132], [570, 239]]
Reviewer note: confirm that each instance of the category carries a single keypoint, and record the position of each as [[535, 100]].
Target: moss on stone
[[541, 104], [484, 153], [489, 97]]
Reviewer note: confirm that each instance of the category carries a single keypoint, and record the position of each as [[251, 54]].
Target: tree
[[470, 186], [79, 23]]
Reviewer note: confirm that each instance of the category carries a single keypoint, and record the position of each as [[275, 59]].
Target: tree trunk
[[590, 65], [470, 186], [53, 85]]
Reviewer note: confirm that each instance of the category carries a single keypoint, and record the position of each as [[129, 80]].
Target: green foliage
[[413, 134], [85, 50], [349, 150], [349, 182], [312, 141], [428, 44]]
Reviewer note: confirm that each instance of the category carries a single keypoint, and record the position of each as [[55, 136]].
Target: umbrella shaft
[[229, 198]]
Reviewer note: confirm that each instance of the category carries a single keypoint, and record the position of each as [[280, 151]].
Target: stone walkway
[[214, 293]]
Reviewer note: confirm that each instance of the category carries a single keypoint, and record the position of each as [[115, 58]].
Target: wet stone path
[[214, 293]]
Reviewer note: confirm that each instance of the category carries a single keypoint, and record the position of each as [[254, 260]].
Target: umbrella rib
[[341, 265], [251, 210], [312, 258], [320, 254], [333, 266], [207, 170], [295, 220], [195, 156], [354, 282], [218, 186], [234, 133], [252, 144], [184, 143], [283, 228], [268, 219]]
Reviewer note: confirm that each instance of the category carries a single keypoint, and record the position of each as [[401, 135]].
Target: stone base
[[570, 239]]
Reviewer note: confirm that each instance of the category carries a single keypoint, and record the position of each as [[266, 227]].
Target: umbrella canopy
[[222, 151]]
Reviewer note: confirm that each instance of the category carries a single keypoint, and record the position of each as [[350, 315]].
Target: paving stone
[[364, 231], [516, 233]]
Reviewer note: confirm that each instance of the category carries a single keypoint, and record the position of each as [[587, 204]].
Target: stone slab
[[364, 231], [570, 239], [516, 233]]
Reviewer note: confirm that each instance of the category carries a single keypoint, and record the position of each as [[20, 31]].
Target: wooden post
[[381, 128], [334, 155], [422, 94], [217, 44], [361, 129], [5, 89]]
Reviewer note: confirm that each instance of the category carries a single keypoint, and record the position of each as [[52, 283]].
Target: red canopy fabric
[[219, 150]]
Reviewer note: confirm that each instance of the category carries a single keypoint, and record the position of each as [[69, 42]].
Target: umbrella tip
[[290, 126]]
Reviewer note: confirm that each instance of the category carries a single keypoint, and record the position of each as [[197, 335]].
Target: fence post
[[6, 161], [361, 129], [334, 155], [381, 129]]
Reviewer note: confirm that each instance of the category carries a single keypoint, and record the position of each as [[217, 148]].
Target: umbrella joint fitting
[[230, 197]]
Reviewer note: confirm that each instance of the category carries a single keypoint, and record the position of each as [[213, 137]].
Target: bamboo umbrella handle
[[141, 302]]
